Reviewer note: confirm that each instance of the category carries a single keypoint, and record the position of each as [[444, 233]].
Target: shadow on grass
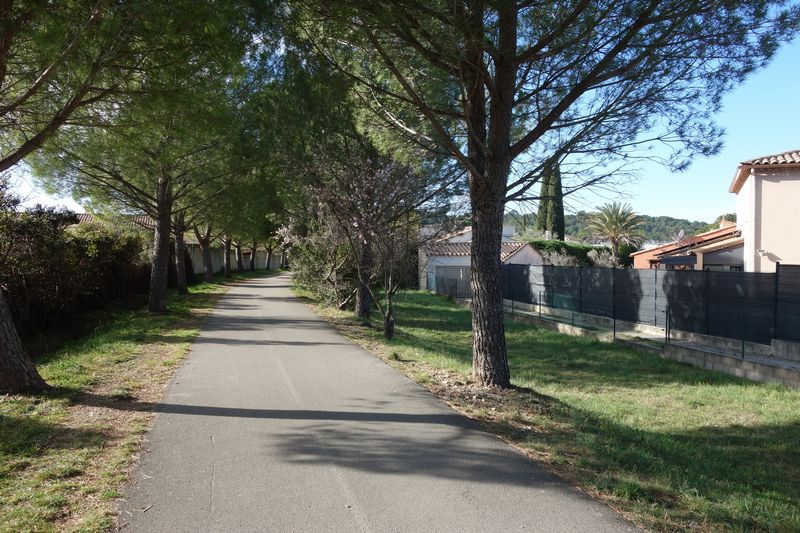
[[124, 323], [24, 436], [744, 477], [734, 476], [539, 356]]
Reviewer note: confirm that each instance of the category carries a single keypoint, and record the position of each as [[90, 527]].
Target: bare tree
[[373, 201]]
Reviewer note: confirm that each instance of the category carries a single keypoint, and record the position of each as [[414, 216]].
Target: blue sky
[[761, 117]]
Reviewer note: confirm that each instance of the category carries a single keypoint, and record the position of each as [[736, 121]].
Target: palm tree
[[617, 223]]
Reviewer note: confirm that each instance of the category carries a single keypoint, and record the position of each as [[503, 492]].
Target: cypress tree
[[556, 210], [550, 217], [543, 215]]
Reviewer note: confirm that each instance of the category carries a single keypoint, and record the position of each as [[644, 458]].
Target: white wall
[[275, 262], [443, 260], [197, 258], [528, 255], [745, 220]]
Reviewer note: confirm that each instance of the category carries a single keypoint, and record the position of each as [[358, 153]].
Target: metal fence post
[[775, 301], [741, 328], [540, 304], [580, 289], [655, 298], [706, 289], [614, 301], [666, 326]]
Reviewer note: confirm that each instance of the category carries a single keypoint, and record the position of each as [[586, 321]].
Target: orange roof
[[454, 249], [790, 159], [695, 240]]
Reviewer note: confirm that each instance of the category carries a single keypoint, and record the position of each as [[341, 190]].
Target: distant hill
[[655, 229]]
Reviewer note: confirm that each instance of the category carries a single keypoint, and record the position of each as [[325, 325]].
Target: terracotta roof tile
[[694, 240], [454, 249], [791, 157]]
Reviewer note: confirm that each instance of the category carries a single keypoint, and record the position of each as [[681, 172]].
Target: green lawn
[[670, 446], [64, 455]]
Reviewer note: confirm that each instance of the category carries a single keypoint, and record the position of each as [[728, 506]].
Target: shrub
[[602, 257], [561, 253], [53, 269]]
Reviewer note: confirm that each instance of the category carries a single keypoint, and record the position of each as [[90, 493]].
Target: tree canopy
[[234, 116], [505, 87]]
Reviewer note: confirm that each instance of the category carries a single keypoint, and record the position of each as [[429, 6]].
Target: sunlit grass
[[671, 446]]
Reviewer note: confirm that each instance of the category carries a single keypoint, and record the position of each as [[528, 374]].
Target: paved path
[[278, 423]]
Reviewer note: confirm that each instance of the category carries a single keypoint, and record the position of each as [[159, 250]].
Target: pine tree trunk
[[490, 359], [490, 161], [239, 261], [160, 260], [208, 264], [226, 260], [17, 371], [269, 258], [180, 253], [205, 250]]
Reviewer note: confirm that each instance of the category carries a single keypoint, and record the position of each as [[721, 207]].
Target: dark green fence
[[755, 307]]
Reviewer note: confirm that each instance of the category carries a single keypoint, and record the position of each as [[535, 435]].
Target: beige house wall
[[768, 210]]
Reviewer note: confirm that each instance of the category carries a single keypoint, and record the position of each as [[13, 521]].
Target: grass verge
[[64, 455], [671, 447]]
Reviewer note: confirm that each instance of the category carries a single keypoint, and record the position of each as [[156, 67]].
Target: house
[[767, 193], [718, 249], [454, 250], [767, 210]]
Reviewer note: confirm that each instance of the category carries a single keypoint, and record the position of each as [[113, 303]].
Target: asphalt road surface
[[276, 422]]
